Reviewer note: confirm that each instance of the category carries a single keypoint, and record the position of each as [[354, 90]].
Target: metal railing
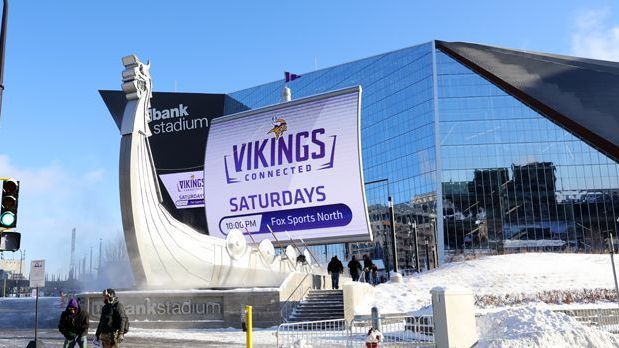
[[397, 331], [406, 330], [295, 297], [602, 318], [323, 333]]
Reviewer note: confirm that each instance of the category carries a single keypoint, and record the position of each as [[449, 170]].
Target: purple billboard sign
[[294, 168]]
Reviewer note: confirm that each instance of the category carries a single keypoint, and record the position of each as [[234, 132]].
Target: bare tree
[[114, 270]]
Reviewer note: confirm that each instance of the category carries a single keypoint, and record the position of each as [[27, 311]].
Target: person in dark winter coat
[[375, 280], [112, 324], [367, 267], [354, 266], [73, 325], [335, 267]]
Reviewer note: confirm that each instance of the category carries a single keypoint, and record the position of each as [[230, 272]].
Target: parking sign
[[37, 273]]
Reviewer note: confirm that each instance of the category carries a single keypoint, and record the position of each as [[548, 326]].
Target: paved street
[[17, 317], [52, 338]]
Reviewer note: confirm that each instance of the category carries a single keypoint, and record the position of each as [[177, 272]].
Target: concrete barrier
[[454, 317], [356, 302]]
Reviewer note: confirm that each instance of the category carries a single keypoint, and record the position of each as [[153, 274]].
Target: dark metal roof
[[579, 94]]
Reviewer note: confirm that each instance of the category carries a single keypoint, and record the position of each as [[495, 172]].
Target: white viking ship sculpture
[[164, 252]]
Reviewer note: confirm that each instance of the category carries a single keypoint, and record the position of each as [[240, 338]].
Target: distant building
[[12, 267]]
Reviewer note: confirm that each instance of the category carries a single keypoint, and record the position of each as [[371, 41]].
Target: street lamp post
[[612, 260], [22, 254], [386, 252], [5, 14], [413, 230], [393, 237], [409, 254], [427, 255], [392, 224]]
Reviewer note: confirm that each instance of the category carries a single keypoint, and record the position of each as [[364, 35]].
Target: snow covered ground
[[508, 290], [533, 326], [139, 338], [211, 337], [516, 275]]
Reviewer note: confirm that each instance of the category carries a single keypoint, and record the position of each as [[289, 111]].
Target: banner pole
[[277, 240], [311, 253], [612, 261], [36, 314], [293, 243]]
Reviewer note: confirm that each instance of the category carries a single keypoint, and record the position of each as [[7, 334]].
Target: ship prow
[[164, 252]]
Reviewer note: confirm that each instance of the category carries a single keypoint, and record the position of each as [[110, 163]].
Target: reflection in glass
[[513, 180]]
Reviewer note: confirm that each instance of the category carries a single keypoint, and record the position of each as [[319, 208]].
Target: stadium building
[[480, 148]]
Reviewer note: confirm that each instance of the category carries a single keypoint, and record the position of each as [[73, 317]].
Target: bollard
[[453, 317], [248, 324], [243, 318], [375, 318]]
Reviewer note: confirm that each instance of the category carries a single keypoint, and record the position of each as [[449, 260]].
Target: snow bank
[[518, 275], [538, 327]]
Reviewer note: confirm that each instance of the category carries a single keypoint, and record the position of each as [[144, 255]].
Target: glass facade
[[513, 179], [460, 159]]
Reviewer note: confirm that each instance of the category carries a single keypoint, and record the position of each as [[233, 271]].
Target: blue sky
[[57, 137]]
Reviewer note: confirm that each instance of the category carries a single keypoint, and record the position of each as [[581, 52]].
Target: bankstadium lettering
[[173, 120], [150, 307]]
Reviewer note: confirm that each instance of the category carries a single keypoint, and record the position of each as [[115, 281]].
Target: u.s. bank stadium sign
[[161, 308], [293, 169]]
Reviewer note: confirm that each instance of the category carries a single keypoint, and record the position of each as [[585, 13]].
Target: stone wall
[[355, 299], [205, 308], [192, 308]]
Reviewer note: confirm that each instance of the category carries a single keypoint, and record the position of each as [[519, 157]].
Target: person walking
[[73, 325], [374, 274], [354, 266], [367, 267], [113, 323], [335, 267]]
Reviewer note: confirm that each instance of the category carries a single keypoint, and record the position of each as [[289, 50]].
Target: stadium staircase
[[320, 305]]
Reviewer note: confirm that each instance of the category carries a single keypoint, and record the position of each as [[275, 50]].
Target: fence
[[397, 330], [324, 333], [602, 318]]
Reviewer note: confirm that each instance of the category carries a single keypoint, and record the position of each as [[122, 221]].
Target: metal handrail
[[286, 304]]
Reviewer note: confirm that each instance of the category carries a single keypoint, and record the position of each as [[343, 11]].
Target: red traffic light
[[10, 187]]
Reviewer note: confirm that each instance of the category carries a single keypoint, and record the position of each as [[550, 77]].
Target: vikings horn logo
[[279, 126]]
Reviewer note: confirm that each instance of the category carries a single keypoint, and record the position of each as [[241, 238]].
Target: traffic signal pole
[[7, 217], [5, 14]]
